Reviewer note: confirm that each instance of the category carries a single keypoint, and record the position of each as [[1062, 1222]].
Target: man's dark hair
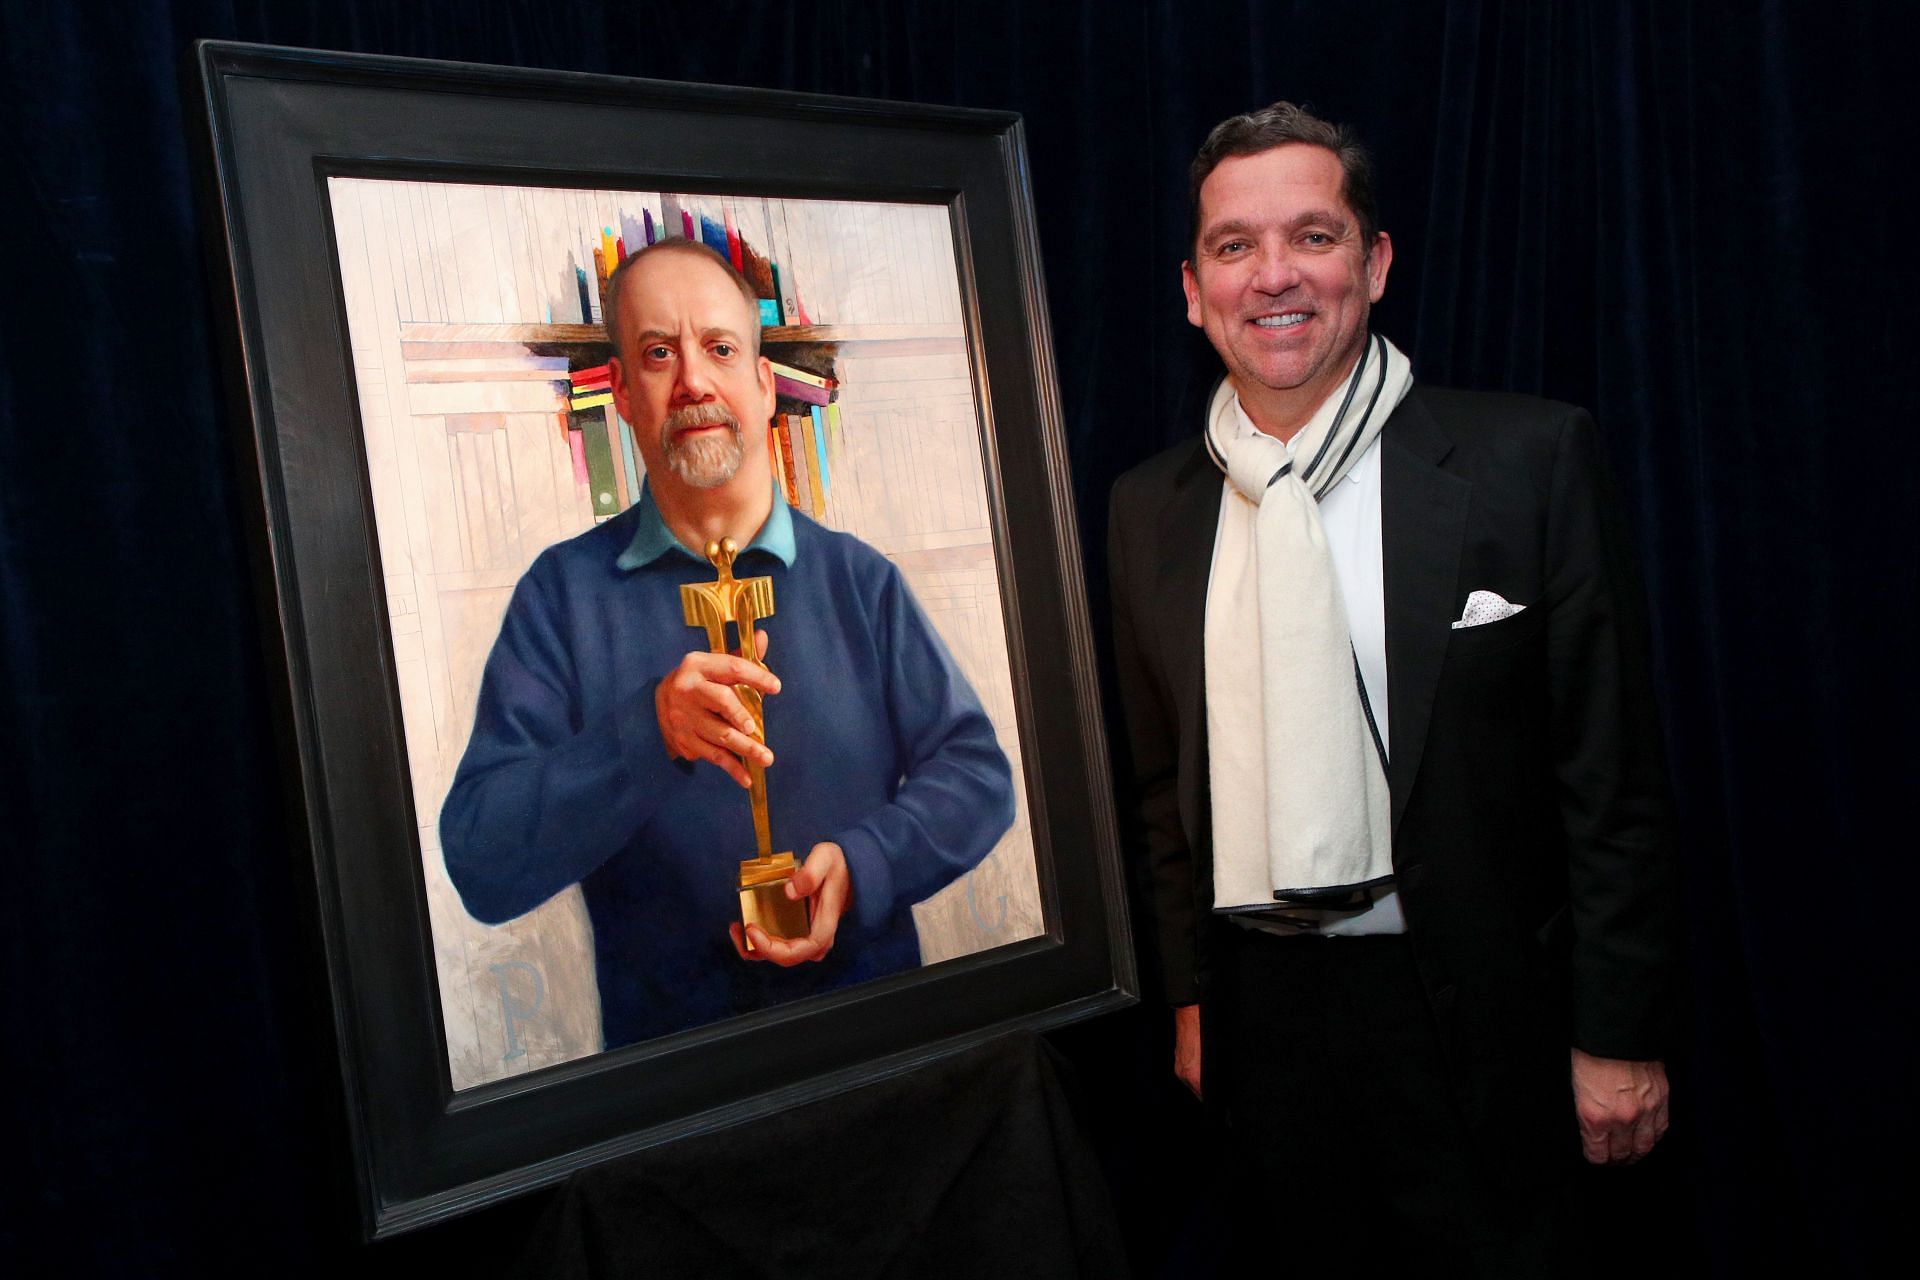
[[616, 283], [1275, 126]]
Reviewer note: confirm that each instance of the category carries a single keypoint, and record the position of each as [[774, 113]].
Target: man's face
[[1280, 279], [688, 379]]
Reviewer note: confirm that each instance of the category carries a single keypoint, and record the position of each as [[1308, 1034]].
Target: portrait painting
[[476, 316], [550, 928]]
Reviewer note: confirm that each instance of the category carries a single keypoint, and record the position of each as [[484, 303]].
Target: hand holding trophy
[[762, 882]]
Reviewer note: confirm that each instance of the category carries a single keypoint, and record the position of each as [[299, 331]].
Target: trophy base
[[764, 900]]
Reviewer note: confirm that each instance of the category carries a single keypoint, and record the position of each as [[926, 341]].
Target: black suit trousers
[[1325, 1070]]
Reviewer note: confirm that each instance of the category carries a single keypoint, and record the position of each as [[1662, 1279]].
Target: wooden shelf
[[897, 339]]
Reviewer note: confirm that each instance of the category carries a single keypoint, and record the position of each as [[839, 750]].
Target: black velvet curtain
[[1688, 217]]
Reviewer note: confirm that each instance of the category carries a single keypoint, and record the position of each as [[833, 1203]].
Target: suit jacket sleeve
[[1608, 762], [1153, 835]]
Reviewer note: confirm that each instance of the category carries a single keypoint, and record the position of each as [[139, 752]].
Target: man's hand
[[1622, 1107], [1186, 1046], [824, 879], [702, 718]]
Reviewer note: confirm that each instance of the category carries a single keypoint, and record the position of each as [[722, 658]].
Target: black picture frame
[[278, 123]]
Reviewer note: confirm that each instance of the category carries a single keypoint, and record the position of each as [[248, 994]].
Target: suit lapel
[[1187, 526], [1423, 513], [1185, 535]]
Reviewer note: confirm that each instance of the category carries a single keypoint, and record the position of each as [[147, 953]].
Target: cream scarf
[[1301, 811]]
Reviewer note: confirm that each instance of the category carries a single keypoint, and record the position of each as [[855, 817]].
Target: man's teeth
[[1282, 322]]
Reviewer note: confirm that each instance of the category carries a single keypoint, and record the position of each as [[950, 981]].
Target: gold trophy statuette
[[743, 602]]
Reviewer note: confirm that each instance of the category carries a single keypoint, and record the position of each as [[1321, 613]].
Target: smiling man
[[608, 743], [1395, 758]]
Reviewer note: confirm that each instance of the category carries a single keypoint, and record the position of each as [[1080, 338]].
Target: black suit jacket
[[1531, 827]]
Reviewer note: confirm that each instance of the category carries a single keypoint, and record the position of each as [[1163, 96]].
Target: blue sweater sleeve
[[955, 796], [543, 796]]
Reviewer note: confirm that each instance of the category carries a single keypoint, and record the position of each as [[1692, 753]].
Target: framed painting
[[523, 897]]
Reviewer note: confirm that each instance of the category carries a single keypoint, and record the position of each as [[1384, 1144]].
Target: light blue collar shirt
[[652, 539]]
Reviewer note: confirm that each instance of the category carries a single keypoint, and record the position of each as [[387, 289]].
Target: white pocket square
[[1484, 607]]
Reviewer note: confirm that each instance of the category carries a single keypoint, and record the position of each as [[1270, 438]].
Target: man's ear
[[1378, 262], [622, 393], [1190, 284], [763, 369]]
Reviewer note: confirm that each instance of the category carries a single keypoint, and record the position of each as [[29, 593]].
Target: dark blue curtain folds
[[1691, 218]]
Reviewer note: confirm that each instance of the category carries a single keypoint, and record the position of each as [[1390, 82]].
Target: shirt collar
[[652, 539]]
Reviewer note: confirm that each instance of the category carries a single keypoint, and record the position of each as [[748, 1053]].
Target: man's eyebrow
[[1325, 217], [714, 331], [1306, 218], [1232, 226]]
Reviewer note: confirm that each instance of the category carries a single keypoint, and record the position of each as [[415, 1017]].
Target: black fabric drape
[[974, 1165], [1688, 218]]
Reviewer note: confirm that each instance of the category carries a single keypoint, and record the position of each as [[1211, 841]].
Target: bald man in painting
[[609, 745]]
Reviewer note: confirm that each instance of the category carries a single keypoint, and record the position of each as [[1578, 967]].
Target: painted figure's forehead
[[674, 292]]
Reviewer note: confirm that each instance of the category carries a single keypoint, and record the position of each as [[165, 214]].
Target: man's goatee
[[704, 461]]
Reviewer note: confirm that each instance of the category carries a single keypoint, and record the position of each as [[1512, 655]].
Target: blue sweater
[[879, 745]]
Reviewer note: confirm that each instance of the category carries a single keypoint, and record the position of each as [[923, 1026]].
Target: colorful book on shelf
[[590, 388], [733, 240], [787, 472], [802, 474], [603, 489], [624, 493], [779, 463], [819, 437], [805, 392], [758, 271], [835, 448], [576, 446], [629, 455], [811, 481], [798, 384], [802, 375]]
